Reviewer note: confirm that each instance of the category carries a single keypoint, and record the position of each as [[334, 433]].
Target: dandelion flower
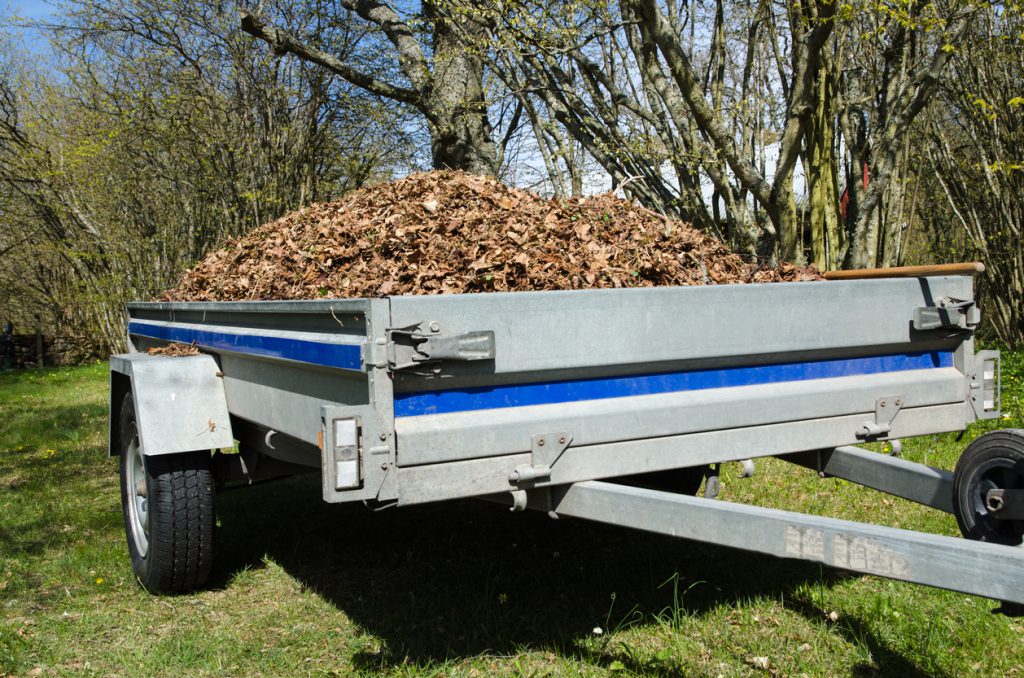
[[598, 631]]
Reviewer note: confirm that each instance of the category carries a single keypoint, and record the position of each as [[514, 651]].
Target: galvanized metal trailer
[[541, 399]]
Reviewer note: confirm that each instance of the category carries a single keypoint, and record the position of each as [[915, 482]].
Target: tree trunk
[[450, 97], [783, 214], [460, 132], [822, 189]]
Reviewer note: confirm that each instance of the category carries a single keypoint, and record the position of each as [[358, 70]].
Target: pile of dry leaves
[[450, 232]]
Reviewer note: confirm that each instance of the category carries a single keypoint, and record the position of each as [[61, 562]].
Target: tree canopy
[[843, 134]]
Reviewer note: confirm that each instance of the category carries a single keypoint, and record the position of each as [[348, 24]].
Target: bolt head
[[383, 436], [384, 466], [541, 442], [435, 326]]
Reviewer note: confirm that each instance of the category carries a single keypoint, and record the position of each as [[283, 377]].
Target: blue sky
[[28, 10], [31, 9]]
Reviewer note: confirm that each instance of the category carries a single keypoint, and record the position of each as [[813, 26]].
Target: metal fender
[[179, 401]]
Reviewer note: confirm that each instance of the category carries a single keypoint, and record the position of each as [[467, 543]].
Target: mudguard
[[179, 401]]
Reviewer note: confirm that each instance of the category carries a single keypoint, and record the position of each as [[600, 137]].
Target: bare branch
[[911, 101], [283, 42], [683, 73], [808, 58], [410, 54]]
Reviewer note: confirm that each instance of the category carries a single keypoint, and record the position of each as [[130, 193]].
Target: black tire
[[678, 480], [169, 528], [993, 461]]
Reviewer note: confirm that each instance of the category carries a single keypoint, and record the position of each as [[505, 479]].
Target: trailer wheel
[[167, 501], [678, 480], [992, 462]]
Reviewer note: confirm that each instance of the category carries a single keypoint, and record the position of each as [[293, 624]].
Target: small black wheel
[[679, 480], [993, 461], [167, 501]]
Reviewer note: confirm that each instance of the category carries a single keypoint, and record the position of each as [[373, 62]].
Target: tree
[[975, 147], [166, 131], [710, 114], [446, 88]]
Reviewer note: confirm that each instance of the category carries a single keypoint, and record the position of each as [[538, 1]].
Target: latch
[[947, 313], [886, 409], [545, 450], [411, 347]]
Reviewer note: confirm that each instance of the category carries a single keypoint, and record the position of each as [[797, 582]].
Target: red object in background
[[844, 199]]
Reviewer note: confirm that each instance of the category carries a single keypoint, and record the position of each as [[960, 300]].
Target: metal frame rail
[[973, 567], [901, 478]]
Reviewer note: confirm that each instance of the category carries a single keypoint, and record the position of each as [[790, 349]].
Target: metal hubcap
[[138, 508], [996, 474]]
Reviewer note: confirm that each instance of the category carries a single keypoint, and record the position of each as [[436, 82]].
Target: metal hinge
[[885, 411], [412, 347], [545, 450], [947, 313]]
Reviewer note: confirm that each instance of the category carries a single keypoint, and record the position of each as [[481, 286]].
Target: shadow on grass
[[456, 580]]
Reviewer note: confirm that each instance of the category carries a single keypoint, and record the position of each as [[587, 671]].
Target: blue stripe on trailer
[[546, 393], [343, 356]]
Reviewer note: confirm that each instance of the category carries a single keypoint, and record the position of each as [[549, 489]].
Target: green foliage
[[145, 149], [974, 150]]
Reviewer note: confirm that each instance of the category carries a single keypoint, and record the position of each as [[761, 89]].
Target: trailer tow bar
[[973, 567]]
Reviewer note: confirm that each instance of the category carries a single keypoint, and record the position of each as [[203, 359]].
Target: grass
[[465, 588]]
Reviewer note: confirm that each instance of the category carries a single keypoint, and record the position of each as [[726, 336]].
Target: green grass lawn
[[465, 588]]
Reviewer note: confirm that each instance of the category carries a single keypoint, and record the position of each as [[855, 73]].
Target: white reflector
[[346, 474], [346, 454], [345, 433]]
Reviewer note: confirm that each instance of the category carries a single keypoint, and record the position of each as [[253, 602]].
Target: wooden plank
[[966, 268]]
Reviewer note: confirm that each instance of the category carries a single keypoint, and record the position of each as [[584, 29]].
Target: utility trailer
[[610, 405]]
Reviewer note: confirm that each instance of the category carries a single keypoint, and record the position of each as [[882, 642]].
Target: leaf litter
[[175, 350], [447, 232]]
